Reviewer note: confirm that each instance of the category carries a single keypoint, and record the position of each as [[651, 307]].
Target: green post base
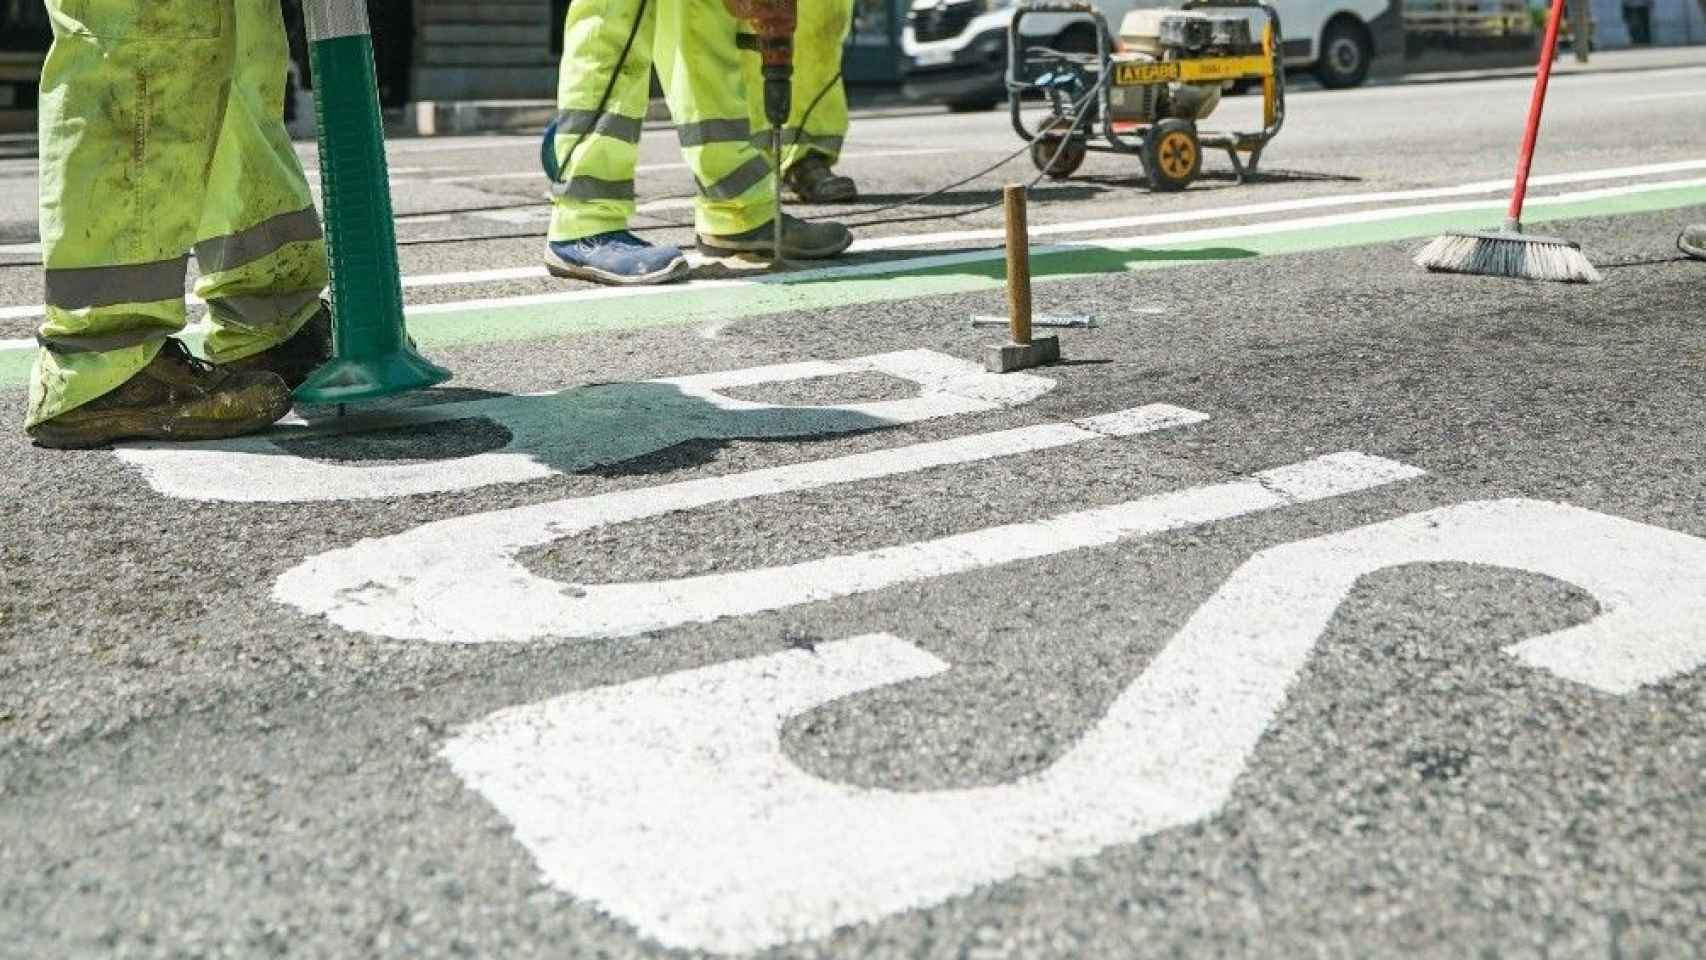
[[346, 380], [372, 354]]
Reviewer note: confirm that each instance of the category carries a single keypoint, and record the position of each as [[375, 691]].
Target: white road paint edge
[[458, 581], [659, 167]]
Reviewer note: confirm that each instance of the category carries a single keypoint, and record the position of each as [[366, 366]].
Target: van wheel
[[1346, 53], [973, 106]]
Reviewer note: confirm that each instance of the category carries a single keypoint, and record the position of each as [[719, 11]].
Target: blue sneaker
[[617, 258]]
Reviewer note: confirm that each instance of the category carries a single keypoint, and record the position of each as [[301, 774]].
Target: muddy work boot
[[1693, 241], [176, 397], [296, 358], [800, 240], [813, 181]]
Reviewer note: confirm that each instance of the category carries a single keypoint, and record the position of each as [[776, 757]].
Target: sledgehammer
[[1023, 351]]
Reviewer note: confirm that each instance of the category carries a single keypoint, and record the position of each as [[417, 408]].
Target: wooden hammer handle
[[1018, 263]]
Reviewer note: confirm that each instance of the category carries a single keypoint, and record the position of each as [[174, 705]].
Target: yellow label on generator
[[1130, 74], [1145, 74]]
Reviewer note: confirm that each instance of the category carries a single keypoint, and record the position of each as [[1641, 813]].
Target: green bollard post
[[372, 354]]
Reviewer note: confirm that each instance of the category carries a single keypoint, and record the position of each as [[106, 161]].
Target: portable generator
[[1146, 93]]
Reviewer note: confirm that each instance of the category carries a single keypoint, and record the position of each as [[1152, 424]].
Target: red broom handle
[[1536, 104]]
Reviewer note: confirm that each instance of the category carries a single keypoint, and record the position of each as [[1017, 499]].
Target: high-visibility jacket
[[162, 133], [693, 45]]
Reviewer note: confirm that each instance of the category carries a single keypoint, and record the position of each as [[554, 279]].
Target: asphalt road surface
[[1314, 606]]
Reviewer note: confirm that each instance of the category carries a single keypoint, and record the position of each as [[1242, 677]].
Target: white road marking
[[659, 167], [670, 803], [314, 172], [573, 430], [986, 254], [1690, 94], [458, 580], [32, 248], [1286, 206], [668, 203]]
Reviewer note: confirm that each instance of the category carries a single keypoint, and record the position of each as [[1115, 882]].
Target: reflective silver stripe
[[330, 19], [247, 246], [260, 312], [792, 136], [746, 176], [581, 122], [82, 287], [714, 131], [102, 344], [591, 188]]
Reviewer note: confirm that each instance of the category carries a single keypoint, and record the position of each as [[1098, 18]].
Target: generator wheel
[[1172, 155], [1070, 156]]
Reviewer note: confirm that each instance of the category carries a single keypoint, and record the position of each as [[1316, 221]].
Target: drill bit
[[776, 182]]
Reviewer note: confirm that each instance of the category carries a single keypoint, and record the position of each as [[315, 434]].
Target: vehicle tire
[[1345, 55], [1067, 157], [973, 106], [1238, 88], [1171, 155]]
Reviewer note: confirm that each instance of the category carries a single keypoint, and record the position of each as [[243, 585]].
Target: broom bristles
[[1508, 255]]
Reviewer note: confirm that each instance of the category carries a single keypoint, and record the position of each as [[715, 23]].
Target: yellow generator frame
[[1169, 149]]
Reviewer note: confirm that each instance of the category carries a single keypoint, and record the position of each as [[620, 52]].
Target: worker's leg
[[603, 90], [597, 149], [132, 99], [701, 68], [817, 121], [818, 45], [259, 247], [712, 93]]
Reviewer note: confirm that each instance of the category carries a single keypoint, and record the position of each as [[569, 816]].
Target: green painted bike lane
[[969, 272]]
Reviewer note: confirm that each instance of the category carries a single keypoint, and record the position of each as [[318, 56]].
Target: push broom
[[1510, 252]]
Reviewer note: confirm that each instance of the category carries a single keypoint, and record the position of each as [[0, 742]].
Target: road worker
[[603, 91], [820, 101], [162, 132]]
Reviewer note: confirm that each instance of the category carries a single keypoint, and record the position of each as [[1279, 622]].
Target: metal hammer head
[[1020, 356]]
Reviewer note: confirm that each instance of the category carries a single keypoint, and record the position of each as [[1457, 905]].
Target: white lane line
[[980, 255], [1661, 96], [668, 203], [659, 167], [671, 803], [406, 587], [577, 429], [1288, 206], [33, 248], [17, 345], [314, 172]]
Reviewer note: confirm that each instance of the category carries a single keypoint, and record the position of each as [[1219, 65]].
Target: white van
[[956, 50]]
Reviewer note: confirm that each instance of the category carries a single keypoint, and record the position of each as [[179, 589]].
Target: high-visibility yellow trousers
[[818, 121], [161, 132], [693, 45]]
